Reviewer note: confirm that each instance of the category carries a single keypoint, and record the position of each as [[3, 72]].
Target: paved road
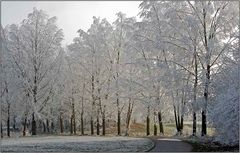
[[170, 145]]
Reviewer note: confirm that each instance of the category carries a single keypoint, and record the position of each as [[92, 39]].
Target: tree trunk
[[148, 126], [176, 119], [44, 127], [204, 124], [25, 125], [92, 126], [1, 130], [160, 122], [82, 110], [35, 89], [8, 121], [82, 126], [129, 114], [179, 122], [73, 117], [71, 125], [207, 78], [34, 127], [181, 125], [118, 117], [93, 104], [52, 126], [103, 125], [98, 125], [47, 122], [194, 124], [155, 129], [74, 125], [148, 121], [204, 116], [61, 123], [119, 122], [128, 119], [117, 93], [195, 94], [14, 122]]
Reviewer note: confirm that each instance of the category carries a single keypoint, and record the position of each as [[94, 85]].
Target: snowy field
[[76, 144]]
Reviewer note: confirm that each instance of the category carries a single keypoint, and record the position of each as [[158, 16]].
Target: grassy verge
[[209, 147], [139, 129]]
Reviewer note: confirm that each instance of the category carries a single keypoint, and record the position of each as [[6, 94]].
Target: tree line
[[176, 61]]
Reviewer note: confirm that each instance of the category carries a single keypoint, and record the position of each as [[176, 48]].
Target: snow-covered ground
[[75, 144]]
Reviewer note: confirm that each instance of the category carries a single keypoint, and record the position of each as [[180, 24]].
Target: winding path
[[170, 145]]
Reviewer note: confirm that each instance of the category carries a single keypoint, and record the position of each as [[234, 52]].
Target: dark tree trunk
[[93, 104], [1, 130], [92, 126], [103, 125], [44, 127], [52, 126], [8, 126], [61, 123], [82, 124], [117, 93], [82, 110], [181, 125], [14, 122], [98, 125], [35, 89], [47, 122], [8, 121], [34, 127], [204, 116], [25, 125], [194, 124], [204, 125], [74, 125], [148, 121], [195, 94], [148, 126], [119, 123], [71, 125], [160, 123], [176, 119], [155, 129], [73, 118], [179, 122]]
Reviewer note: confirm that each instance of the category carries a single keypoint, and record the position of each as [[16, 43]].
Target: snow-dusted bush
[[224, 113]]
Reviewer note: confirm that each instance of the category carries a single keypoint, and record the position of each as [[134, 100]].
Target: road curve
[[170, 145]]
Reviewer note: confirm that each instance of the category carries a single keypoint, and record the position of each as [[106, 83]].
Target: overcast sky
[[71, 16]]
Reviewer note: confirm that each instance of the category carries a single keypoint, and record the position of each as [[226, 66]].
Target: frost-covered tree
[[34, 46], [217, 25], [195, 28], [123, 31], [224, 111], [10, 86], [95, 45]]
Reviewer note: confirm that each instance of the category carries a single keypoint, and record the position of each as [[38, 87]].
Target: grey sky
[[71, 15]]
